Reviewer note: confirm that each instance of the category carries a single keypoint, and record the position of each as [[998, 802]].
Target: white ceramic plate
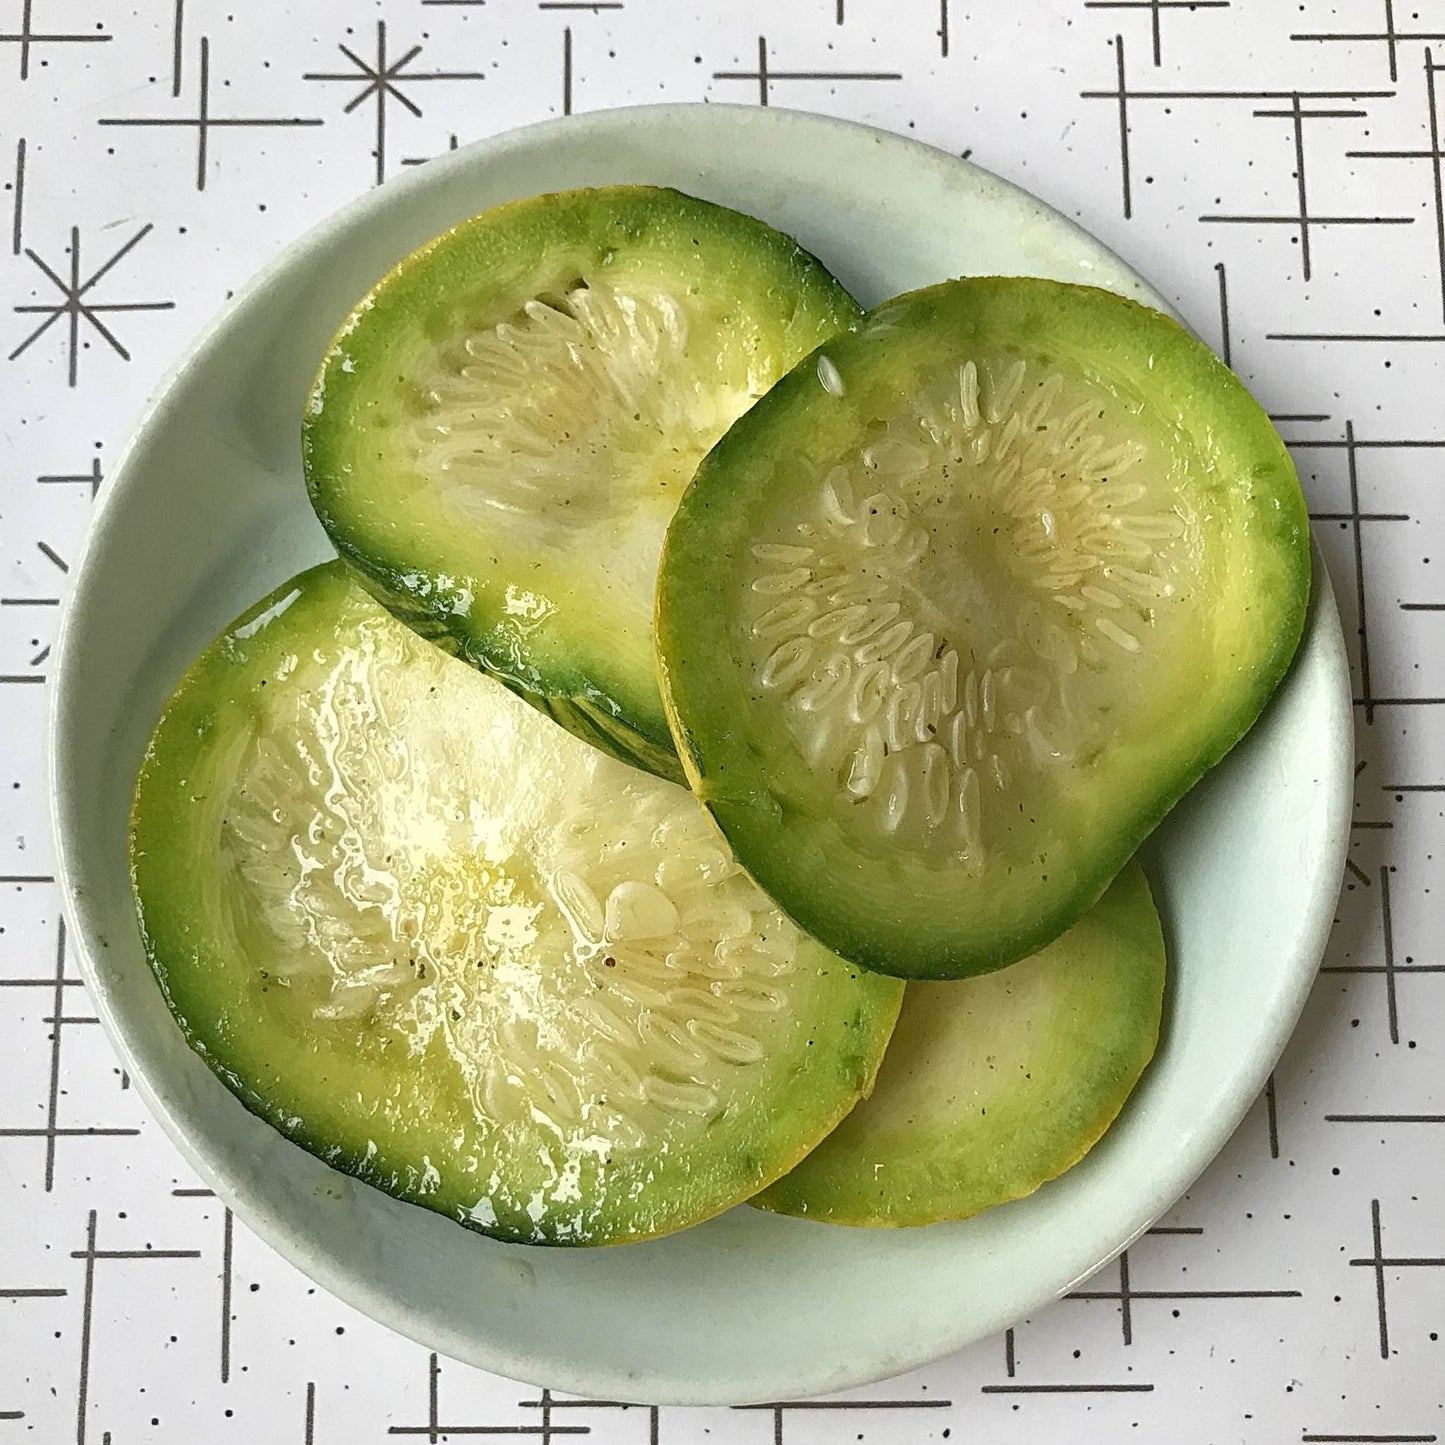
[[206, 512]]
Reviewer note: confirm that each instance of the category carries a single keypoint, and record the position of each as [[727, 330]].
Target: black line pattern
[[1431, 153], [1125, 96], [1128, 1294], [124, 126], [1155, 10], [767, 74], [1379, 1264], [91, 1254], [203, 122], [57, 1019], [434, 1429], [26, 38]]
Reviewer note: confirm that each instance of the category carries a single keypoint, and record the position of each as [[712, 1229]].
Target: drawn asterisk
[[74, 305], [383, 81]]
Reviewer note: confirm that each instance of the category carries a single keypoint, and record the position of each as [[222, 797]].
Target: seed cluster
[[864, 621], [617, 974], [573, 411]]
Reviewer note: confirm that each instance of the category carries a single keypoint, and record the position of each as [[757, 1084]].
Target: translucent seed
[[578, 902], [728, 1045], [787, 664], [348, 1001], [1099, 596], [958, 739], [897, 458], [1041, 750], [691, 1098], [826, 687], [837, 498], [1004, 393], [930, 707], [823, 742], [968, 395], [870, 688], [786, 618], [697, 1002], [874, 617], [1152, 529], [1124, 494], [782, 553], [1113, 463], [777, 583], [970, 699], [978, 449], [895, 797], [1141, 584], [716, 916], [834, 623], [909, 551], [829, 376], [1007, 437], [1087, 457], [985, 700], [1008, 653], [1071, 428], [1050, 642], [935, 781], [948, 679], [883, 522], [885, 644], [1000, 771], [1118, 635], [902, 707], [853, 589], [755, 997], [970, 807], [912, 659], [602, 1020], [1024, 686], [1039, 404], [680, 872], [637, 910], [867, 765]]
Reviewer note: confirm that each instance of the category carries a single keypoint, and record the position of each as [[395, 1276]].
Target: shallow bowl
[[206, 512]]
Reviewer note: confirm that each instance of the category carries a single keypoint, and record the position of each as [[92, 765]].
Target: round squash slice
[[503, 426], [451, 949], [993, 1085], [950, 620]]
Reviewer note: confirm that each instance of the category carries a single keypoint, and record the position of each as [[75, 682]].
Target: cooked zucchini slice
[[452, 950], [502, 428], [993, 1085], [950, 619]]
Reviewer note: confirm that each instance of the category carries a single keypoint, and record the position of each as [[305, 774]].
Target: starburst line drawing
[[382, 82], [74, 306]]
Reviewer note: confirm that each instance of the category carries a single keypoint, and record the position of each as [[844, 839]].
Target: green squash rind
[[1097, 1004], [603, 688], [217, 1000], [796, 856]]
